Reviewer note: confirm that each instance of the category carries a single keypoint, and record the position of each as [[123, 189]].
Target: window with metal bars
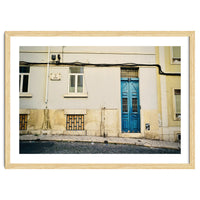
[[75, 122], [23, 121], [124, 105], [134, 104]]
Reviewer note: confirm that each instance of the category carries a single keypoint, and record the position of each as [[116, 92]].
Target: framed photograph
[[99, 100]]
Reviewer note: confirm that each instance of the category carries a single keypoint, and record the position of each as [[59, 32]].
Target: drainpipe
[[102, 126], [47, 79], [46, 123]]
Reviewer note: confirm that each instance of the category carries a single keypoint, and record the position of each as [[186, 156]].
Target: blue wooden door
[[130, 105]]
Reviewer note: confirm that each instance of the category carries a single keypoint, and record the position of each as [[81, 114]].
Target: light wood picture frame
[[10, 36]]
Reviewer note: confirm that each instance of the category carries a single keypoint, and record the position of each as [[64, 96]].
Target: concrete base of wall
[[170, 133]]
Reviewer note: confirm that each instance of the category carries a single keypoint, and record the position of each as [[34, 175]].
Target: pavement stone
[[114, 140]]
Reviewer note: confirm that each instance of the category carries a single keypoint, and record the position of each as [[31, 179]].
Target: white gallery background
[[104, 15]]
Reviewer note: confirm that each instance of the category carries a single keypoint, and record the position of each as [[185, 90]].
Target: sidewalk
[[113, 140]]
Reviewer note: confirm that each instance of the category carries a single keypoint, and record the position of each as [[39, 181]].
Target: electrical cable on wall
[[128, 65]]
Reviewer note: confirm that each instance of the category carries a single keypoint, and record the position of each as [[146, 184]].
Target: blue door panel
[[125, 123], [130, 105]]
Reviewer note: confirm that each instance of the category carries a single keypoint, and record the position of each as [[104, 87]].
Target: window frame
[[76, 83], [172, 56], [77, 94], [174, 105], [22, 74]]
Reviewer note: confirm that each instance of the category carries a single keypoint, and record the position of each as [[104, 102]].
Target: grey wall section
[[102, 84]]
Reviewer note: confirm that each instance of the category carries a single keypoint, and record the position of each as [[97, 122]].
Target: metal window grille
[[124, 104], [75, 122], [129, 73], [23, 121], [134, 104]]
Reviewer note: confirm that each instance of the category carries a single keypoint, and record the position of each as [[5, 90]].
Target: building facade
[[101, 91]]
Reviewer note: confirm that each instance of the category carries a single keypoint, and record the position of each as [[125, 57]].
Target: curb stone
[[93, 139]]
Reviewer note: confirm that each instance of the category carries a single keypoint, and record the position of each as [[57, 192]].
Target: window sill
[[176, 62], [177, 119], [25, 95], [75, 96]]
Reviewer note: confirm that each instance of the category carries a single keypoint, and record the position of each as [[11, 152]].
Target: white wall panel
[[148, 88]]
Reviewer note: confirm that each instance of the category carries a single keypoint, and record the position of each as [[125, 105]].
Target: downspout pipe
[[47, 79]]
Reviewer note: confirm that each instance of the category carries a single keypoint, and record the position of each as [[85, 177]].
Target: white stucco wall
[[100, 54], [36, 89], [102, 86], [148, 88]]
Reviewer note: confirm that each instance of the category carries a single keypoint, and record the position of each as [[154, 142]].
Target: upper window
[[176, 55], [76, 79], [177, 96], [24, 73]]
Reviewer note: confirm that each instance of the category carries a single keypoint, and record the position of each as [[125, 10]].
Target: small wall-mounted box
[[147, 126]]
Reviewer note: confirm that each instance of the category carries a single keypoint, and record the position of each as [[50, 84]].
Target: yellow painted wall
[[172, 82], [151, 117], [168, 64], [158, 85]]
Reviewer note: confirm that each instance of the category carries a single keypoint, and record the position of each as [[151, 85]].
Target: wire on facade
[[128, 65]]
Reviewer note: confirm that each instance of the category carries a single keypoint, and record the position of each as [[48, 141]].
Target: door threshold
[[132, 135]]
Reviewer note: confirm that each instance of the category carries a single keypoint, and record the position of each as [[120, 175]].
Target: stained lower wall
[[97, 122]]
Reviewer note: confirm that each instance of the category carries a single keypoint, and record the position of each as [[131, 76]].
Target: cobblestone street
[[60, 147]]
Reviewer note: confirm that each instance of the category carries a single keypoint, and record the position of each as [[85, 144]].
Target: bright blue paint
[[130, 117]]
